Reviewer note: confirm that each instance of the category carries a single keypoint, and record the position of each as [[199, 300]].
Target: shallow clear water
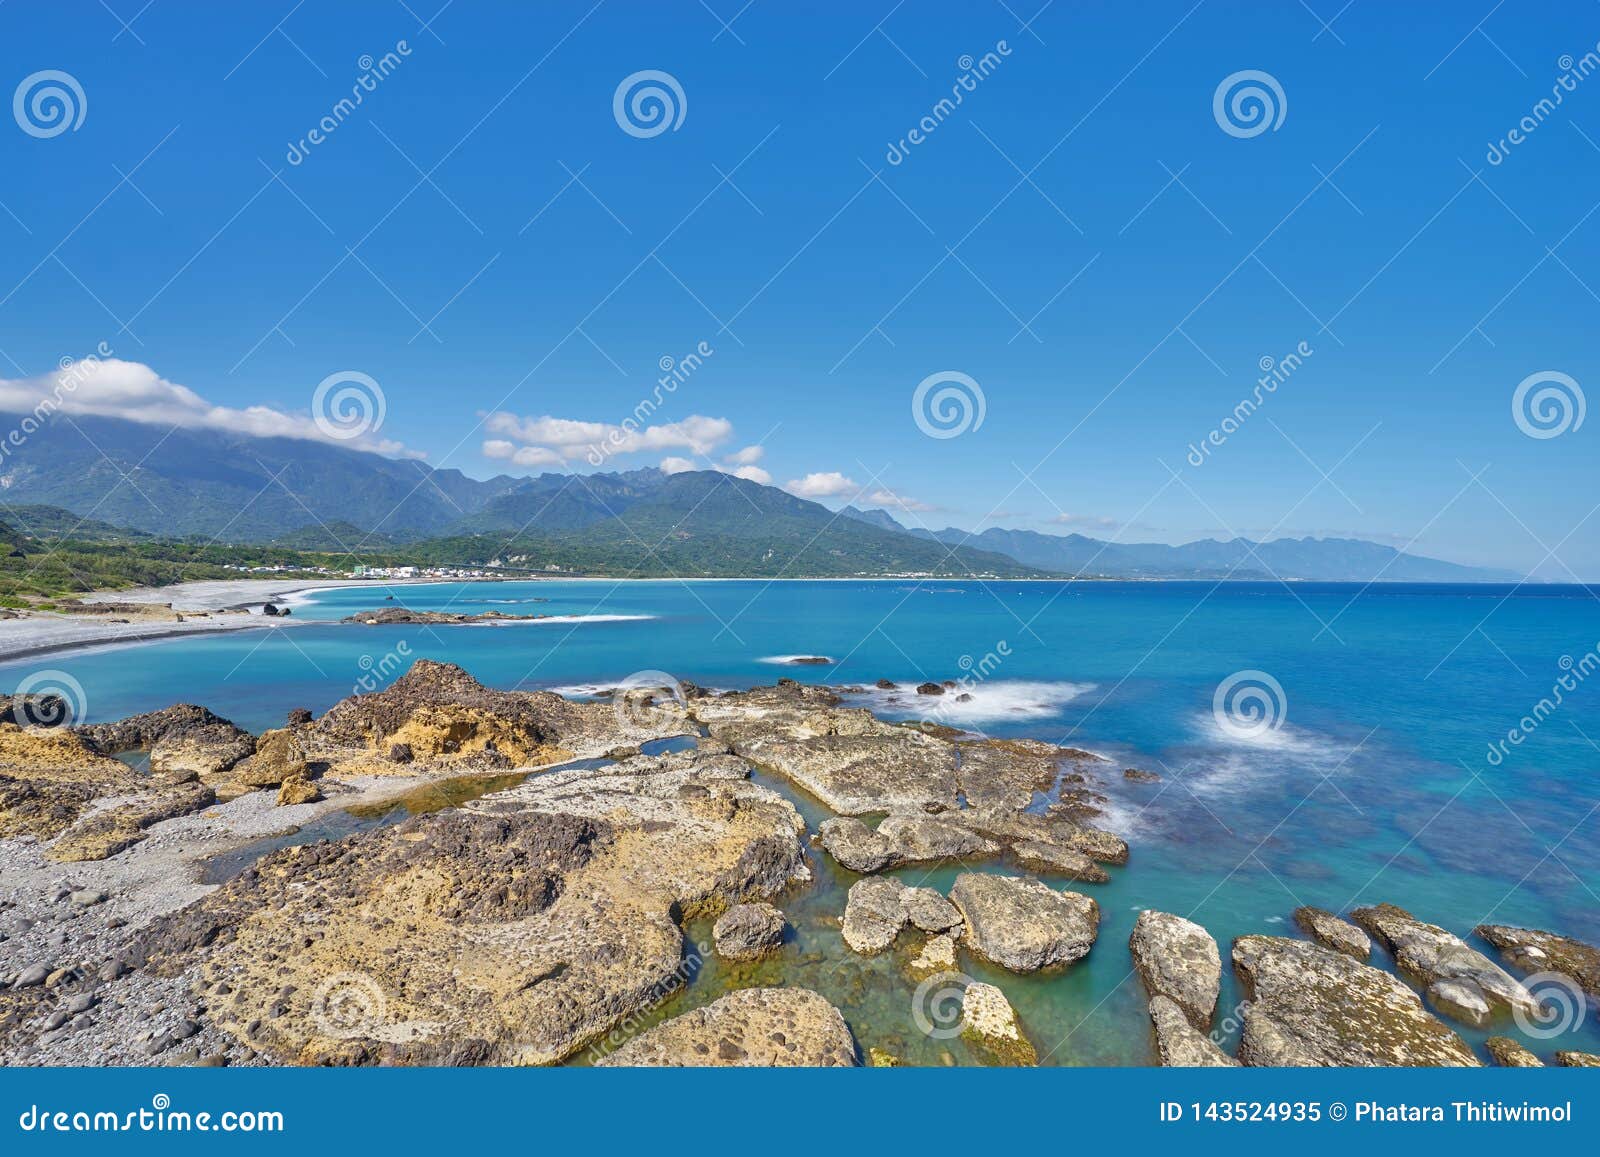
[[1377, 785]]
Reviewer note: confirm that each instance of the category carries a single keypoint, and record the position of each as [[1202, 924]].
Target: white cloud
[[900, 502], [570, 440], [828, 484], [753, 474], [521, 455], [113, 388], [749, 456], [677, 465]]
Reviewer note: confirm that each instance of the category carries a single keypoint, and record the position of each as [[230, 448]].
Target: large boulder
[[750, 1027], [1178, 1043], [1022, 924], [1509, 1054], [185, 741], [278, 758], [929, 911], [1530, 951], [1461, 981], [1178, 959], [1330, 931], [1310, 1006], [448, 720], [920, 838], [855, 845], [874, 913], [748, 931]]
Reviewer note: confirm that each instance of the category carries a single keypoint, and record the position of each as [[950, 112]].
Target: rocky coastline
[[441, 873]]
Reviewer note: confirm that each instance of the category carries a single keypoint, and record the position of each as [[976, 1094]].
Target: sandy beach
[[228, 604]]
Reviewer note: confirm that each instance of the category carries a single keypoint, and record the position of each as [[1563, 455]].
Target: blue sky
[[1080, 237]]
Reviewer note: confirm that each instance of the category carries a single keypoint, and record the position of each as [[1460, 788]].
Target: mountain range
[[309, 495], [1304, 559]]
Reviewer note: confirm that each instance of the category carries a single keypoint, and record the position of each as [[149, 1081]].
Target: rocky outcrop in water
[[1331, 932], [754, 1026], [748, 932], [1509, 1054], [989, 1023], [1022, 924], [1177, 959], [1310, 1006], [874, 913], [1179, 1044], [400, 616], [1461, 981], [1529, 950]]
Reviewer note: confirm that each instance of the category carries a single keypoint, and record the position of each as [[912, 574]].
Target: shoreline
[[50, 633]]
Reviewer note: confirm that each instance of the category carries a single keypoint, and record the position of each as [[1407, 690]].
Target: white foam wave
[[964, 705], [558, 619]]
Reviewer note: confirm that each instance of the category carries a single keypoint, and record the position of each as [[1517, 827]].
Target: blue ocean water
[[1373, 775]]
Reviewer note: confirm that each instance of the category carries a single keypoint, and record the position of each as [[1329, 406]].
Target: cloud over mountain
[[132, 391]]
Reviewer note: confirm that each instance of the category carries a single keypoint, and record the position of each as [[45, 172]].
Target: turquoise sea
[[1370, 779]]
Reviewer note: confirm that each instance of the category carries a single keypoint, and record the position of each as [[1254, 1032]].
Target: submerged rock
[[990, 1023], [1177, 959], [1056, 860], [936, 957], [1446, 965], [1022, 924], [748, 931], [1330, 931], [750, 1027], [1178, 1043], [1312, 1006]]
